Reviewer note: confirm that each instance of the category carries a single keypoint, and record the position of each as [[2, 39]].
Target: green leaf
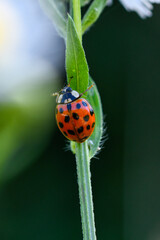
[[93, 98], [73, 147], [93, 13], [84, 2], [56, 11], [76, 64], [61, 5]]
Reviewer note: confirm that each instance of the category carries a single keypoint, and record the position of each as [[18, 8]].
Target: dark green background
[[42, 202]]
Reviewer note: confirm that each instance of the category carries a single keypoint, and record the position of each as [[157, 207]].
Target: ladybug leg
[[55, 94]]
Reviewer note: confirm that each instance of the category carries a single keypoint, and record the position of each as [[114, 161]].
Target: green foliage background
[[42, 202]]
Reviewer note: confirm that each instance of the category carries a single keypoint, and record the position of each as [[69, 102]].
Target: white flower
[[142, 7]]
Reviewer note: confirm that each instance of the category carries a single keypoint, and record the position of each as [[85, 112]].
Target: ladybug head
[[67, 95], [66, 89]]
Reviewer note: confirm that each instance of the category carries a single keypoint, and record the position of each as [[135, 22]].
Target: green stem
[[85, 191], [77, 17], [83, 161]]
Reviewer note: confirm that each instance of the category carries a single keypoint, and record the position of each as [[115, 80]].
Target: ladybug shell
[[76, 120]]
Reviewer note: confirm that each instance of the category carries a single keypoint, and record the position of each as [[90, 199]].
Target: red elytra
[[76, 120]]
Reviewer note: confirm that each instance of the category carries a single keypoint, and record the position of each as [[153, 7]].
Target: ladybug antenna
[[86, 90]]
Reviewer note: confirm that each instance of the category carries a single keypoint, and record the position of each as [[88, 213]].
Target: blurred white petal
[[142, 7], [139, 6], [155, 1]]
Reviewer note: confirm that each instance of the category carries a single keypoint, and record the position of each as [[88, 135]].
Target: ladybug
[[75, 116]]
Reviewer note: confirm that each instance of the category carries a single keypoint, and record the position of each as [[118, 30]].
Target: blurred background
[[38, 182]]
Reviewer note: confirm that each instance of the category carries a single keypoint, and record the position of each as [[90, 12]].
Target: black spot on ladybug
[[56, 110], [67, 118], [80, 130], [93, 124], [88, 127], [78, 106], [65, 133], [61, 110], [91, 112], [69, 107], [86, 118], [85, 137], [75, 116], [71, 132], [61, 124], [84, 104]]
